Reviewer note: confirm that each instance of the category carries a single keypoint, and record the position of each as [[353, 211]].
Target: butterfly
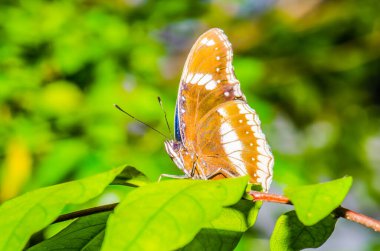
[[217, 134]]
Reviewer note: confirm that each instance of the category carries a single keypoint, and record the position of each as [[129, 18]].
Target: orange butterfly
[[217, 134]]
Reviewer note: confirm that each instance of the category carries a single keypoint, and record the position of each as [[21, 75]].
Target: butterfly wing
[[207, 80], [230, 142]]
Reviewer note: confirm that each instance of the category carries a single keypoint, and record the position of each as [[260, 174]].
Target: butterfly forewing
[[217, 133], [208, 80]]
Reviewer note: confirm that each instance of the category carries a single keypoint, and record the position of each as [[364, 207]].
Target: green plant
[[64, 63], [170, 215]]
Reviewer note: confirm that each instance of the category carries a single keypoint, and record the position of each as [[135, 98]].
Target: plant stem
[[256, 196], [85, 212], [358, 218], [275, 198], [339, 212]]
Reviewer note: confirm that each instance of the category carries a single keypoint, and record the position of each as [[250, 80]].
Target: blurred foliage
[[310, 69]]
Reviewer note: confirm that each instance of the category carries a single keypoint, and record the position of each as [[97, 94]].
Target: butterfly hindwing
[[230, 137]]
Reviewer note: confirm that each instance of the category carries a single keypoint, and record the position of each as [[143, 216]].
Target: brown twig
[[339, 212], [38, 236], [85, 212], [256, 196], [275, 198], [358, 218]]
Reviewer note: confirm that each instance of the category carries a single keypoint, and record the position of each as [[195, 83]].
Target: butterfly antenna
[[163, 110], [133, 117]]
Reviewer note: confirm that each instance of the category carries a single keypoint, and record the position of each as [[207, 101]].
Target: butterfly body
[[217, 134]]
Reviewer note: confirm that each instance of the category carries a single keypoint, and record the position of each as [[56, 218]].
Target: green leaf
[[238, 217], [31, 212], [130, 176], [214, 240], [290, 234], [84, 234], [225, 232], [167, 215], [314, 202]]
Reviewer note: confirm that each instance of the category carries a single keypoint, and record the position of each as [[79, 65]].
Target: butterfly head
[[174, 148]]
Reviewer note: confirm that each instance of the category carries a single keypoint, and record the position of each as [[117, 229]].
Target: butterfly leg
[[202, 174], [197, 173], [193, 169], [221, 171]]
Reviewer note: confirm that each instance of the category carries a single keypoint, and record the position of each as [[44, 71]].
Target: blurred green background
[[311, 69]]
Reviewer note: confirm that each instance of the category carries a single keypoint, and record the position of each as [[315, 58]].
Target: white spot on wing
[[210, 42], [232, 147], [255, 128], [231, 140], [249, 116], [196, 78], [260, 147], [263, 159], [205, 79], [224, 128], [261, 176], [231, 78], [250, 122], [262, 167], [211, 85], [222, 112], [237, 90], [189, 77], [259, 135], [229, 54], [241, 108]]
